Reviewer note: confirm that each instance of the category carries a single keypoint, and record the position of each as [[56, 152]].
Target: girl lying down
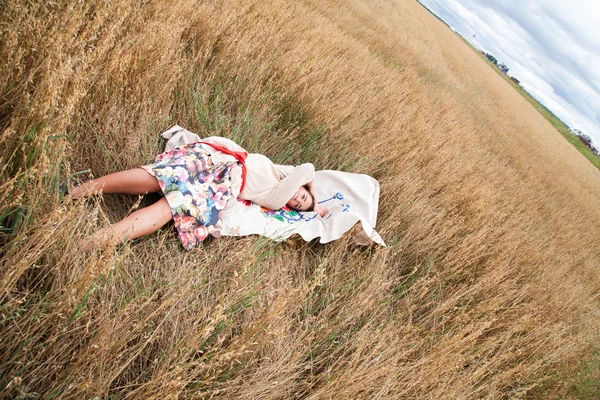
[[199, 180], [207, 177]]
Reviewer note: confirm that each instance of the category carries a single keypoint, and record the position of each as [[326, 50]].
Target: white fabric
[[350, 198], [177, 136]]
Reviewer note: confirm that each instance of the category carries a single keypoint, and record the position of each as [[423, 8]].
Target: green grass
[[271, 116], [587, 385]]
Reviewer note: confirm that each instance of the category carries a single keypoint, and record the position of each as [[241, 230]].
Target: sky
[[551, 46]]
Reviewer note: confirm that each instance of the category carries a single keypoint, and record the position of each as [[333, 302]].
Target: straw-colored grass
[[488, 288]]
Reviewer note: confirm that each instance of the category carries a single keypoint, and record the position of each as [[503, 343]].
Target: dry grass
[[488, 288]]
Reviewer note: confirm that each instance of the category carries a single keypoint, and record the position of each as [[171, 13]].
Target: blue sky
[[551, 46]]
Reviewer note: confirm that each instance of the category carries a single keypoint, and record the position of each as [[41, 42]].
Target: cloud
[[550, 46]]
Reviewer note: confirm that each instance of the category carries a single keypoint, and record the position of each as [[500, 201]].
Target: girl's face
[[301, 201]]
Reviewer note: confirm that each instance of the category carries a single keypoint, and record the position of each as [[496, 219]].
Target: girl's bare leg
[[139, 223], [132, 181]]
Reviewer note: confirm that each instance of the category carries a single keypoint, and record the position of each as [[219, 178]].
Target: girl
[[199, 180]]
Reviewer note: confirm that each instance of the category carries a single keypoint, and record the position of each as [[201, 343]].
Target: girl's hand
[[319, 209]]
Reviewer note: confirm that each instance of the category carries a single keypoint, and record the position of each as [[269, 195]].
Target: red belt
[[239, 155]]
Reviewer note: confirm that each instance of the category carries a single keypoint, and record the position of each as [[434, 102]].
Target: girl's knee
[[164, 210]]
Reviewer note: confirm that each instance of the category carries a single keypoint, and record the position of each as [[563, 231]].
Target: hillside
[[488, 286]]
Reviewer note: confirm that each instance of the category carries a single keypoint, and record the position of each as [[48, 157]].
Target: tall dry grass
[[488, 288]]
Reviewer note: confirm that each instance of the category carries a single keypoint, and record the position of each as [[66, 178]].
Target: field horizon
[[488, 287], [558, 123]]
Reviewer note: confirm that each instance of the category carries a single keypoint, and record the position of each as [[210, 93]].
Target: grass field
[[487, 289], [543, 110], [558, 124]]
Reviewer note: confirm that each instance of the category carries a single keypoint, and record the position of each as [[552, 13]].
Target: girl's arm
[[288, 186], [319, 209]]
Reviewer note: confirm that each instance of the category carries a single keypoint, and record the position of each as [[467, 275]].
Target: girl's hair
[[312, 204]]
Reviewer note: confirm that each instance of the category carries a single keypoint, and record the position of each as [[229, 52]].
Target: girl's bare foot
[[104, 238]]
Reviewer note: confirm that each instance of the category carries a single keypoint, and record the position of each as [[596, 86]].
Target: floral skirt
[[195, 188]]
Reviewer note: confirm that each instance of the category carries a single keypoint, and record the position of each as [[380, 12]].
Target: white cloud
[[551, 46]]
